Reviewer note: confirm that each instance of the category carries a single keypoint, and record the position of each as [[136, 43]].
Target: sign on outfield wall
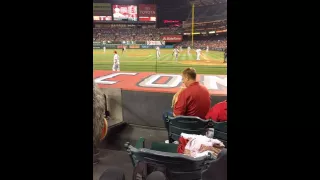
[[134, 46], [171, 38], [146, 47], [121, 46], [159, 43], [102, 9]]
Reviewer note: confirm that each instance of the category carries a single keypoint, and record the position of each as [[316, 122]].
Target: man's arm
[[181, 105]]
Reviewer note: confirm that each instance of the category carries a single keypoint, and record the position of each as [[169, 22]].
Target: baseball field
[[144, 60]]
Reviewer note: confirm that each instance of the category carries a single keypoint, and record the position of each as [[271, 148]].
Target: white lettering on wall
[[103, 79], [174, 81], [211, 82]]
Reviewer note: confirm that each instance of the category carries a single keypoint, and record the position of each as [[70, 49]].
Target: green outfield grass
[[138, 60]]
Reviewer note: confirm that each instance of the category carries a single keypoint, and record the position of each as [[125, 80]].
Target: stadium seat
[[220, 131], [186, 124], [195, 125], [163, 147], [217, 169], [180, 167]]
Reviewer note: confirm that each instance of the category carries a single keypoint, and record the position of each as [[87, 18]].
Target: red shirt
[[193, 101], [218, 112]]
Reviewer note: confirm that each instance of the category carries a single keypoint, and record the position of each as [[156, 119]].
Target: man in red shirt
[[218, 112], [194, 100]]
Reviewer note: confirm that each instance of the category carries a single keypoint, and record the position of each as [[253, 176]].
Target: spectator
[[99, 122], [194, 100], [218, 112], [100, 125]]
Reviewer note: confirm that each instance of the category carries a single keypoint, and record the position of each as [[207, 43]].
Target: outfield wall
[[132, 46], [99, 45]]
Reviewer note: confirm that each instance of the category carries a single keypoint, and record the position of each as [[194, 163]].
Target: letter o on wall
[[149, 82]]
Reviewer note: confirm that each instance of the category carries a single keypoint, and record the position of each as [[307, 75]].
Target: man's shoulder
[[198, 87], [203, 88]]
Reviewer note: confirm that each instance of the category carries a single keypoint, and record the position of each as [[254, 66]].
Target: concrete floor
[[112, 158], [113, 153]]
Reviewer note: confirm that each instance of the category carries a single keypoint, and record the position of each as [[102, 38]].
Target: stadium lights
[[212, 32], [196, 33]]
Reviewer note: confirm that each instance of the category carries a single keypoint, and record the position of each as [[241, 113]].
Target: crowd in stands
[[219, 25], [132, 34], [204, 41], [153, 34]]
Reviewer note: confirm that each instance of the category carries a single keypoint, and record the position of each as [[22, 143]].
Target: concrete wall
[[141, 108], [114, 105], [146, 108]]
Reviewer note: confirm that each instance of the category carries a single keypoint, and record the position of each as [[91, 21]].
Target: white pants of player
[[104, 49], [207, 50], [116, 67], [188, 52], [198, 56], [176, 56], [158, 55]]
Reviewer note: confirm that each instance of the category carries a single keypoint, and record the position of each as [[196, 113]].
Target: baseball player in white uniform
[[207, 48], [175, 53], [158, 52], [116, 62], [104, 46], [189, 50], [198, 51]]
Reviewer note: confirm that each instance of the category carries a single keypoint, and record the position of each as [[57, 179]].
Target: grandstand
[[210, 19]]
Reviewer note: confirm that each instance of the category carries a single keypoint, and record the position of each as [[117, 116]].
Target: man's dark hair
[[190, 73], [98, 113]]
